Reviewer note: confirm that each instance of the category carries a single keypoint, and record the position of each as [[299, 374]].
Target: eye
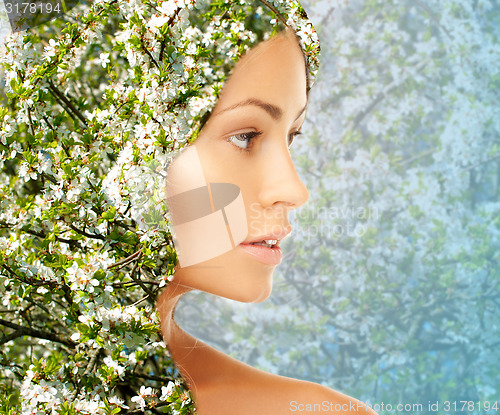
[[243, 140], [292, 136]]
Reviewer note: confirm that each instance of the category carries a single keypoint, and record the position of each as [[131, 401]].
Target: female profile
[[96, 105], [229, 195]]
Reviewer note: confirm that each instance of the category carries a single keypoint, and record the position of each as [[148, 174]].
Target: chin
[[232, 276], [262, 298], [255, 289], [257, 295], [255, 285]]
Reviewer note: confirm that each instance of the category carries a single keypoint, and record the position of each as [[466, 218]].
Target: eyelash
[[292, 136], [249, 137]]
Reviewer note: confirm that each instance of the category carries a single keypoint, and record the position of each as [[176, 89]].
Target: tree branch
[[126, 261], [433, 17], [275, 11], [10, 337], [423, 154], [26, 280], [473, 166], [95, 354], [88, 235], [145, 49], [141, 411], [146, 289], [31, 122], [69, 104], [361, 115], [40, 334], [161, 379], [42, 235]]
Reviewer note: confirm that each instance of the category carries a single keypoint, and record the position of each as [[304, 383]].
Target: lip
[[268, 256], [279, 235]]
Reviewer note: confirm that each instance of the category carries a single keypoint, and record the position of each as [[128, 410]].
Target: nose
[[280, 182]]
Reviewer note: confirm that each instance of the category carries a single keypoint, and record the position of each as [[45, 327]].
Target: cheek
[[221, 165], [207, 220]]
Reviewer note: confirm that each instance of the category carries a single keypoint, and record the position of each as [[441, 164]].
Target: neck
[[188, 353], [166, 305], [197, 362]]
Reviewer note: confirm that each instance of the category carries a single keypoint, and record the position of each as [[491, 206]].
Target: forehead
[[273, 71]]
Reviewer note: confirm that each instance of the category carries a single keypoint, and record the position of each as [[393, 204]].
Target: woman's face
[[246, 143]]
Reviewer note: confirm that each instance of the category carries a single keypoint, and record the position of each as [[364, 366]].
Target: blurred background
[[389, 289]]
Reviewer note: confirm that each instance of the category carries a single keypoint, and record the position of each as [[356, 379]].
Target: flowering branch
[[40, 234], [27, 331], [275, 11], [126, 260], [69, 107], [88, 235]]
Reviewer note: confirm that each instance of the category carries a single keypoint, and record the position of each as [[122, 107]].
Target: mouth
[[268, 243], [266, 249]]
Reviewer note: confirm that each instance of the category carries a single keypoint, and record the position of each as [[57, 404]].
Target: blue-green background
[[389, 287]]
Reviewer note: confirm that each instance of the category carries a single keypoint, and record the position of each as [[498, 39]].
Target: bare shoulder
[[312, 398], [243, 390]]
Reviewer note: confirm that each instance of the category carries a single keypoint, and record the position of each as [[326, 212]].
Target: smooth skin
[[246, 142]]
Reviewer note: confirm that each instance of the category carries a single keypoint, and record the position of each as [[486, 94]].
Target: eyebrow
[[275, 112]]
